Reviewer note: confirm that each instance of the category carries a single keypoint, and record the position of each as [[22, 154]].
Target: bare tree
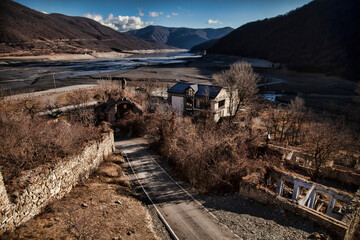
[[107, 89], [298, 116], [323, 140], [241, 82], [79, 99], [31, 106], [285, 123]]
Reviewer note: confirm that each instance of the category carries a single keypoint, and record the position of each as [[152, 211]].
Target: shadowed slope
[[321, 36], [184, 38], [24, 29]]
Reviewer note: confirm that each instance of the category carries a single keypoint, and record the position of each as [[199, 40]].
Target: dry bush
[[29, 142], [82, 114], [323, 139], [209, 156], [285, 124], [108, 89], [80, 224], [79, 97], [131, 125], [85, 116]]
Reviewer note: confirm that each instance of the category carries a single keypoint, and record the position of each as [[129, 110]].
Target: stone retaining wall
[[46, 183]]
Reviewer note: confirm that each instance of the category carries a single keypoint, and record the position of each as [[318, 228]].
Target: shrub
[[210, 156], [28, 142]]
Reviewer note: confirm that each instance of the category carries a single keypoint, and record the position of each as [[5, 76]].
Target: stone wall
[[45, 183]]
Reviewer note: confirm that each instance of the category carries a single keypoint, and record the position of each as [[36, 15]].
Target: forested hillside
[[322, 36]]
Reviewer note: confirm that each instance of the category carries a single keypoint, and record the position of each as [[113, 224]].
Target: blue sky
[[131, 14]]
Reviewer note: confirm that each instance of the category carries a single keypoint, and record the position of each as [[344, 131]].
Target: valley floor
[[319, 91]]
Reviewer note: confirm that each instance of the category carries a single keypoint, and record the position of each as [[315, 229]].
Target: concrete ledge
[[266, 196]]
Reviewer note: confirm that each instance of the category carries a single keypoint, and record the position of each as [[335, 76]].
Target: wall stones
[[46, 183]]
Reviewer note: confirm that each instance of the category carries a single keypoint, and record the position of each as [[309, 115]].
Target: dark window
[[202, 104], [221, 103]]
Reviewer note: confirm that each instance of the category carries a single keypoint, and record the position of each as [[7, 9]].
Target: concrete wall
[[46, 183], [265, 196], [301, 162]]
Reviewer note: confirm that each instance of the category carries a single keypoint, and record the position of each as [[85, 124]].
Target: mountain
[[26, 31], [184, 38], [204, 46], [322, 36]]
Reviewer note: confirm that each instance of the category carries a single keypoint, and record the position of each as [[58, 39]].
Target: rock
[[318, 236], [84, 205], [118, 202]]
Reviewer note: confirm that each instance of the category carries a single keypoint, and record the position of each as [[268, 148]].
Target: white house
[[189, 98]]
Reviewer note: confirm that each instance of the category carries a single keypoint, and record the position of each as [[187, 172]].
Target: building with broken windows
[[191, 98]]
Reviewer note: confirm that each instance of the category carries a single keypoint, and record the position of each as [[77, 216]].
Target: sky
[[124, 15]]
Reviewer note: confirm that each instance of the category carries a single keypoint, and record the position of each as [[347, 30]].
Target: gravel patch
[[252, 220]]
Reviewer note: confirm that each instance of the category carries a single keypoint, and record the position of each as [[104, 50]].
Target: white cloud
[[44, 12], [141, 14], [168, 16], [119, 23], [155, 14], [175, 14], [210, 21]]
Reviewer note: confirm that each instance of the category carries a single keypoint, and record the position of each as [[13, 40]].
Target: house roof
[[201, 90]]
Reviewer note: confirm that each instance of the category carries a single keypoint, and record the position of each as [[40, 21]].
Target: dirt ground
[[103, 207], [320, 92]]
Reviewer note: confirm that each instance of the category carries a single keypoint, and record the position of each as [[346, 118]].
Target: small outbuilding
[[114, 110]]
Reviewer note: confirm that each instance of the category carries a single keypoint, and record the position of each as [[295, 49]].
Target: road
[[187, 218], [50, 91]]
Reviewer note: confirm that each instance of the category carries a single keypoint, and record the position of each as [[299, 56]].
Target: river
[[21, 73]]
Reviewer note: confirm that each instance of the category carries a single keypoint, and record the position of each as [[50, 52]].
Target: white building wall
[[177, 103]]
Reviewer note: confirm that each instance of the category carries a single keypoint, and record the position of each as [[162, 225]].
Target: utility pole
[[54, 80]]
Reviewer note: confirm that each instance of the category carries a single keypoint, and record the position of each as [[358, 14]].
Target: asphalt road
[[50, 91], [186, 217]]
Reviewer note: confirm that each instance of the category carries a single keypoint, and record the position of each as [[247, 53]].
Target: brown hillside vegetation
[[28, 141], [24, 29]]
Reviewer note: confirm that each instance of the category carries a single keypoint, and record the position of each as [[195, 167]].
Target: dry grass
[[100, 208], [28, 141]]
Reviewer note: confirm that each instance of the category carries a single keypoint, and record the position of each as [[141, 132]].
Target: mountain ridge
[[26, 31], [321, 36], [180, 37]]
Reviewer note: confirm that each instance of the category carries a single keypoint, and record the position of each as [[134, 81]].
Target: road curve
[[187, 218]]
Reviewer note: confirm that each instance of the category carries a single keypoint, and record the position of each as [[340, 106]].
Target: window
[[202, 104], [222, 103], [190, 92]]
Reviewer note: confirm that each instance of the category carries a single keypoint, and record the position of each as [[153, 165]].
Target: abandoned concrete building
[[190, 98]]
